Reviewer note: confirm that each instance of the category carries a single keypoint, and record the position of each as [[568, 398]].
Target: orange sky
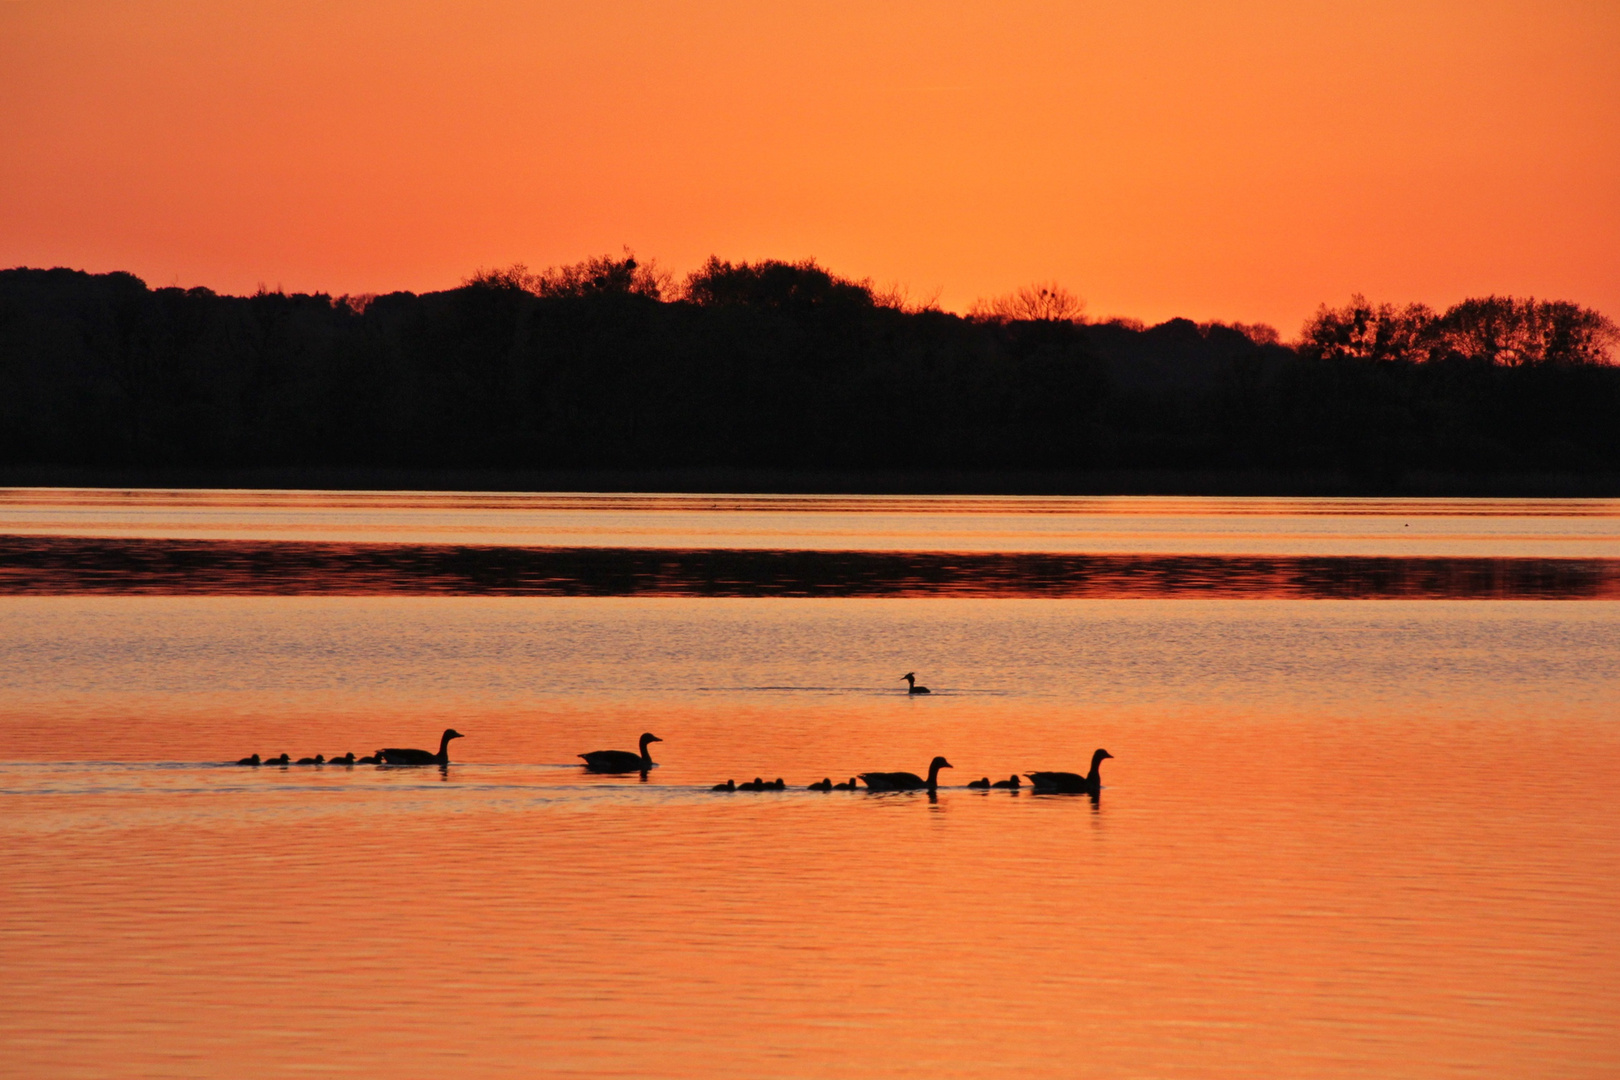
[[1235, 161]]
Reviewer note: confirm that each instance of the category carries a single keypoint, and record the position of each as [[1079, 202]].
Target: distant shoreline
[[1169, 482]]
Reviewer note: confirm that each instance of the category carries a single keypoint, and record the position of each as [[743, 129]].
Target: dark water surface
[[1339, 837]]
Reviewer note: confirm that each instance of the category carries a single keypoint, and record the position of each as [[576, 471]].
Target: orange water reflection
[[1337, 839]]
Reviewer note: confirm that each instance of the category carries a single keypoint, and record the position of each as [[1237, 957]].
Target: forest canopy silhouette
[[613, 363]]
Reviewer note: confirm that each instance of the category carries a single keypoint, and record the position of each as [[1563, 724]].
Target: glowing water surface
[[1338, 838]]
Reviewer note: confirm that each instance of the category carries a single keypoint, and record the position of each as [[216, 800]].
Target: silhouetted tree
[[1043, 302], [1361, 331], [1509, 332]]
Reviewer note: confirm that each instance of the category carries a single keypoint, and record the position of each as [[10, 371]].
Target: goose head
[[648, 737]]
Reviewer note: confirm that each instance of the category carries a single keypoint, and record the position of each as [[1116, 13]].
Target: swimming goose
[[1010, 782], [983, 782], [346, 759], [1068, 783], [851, 786], [318, 759], [254, 760], [824, 784], [396, 756], [729, 785], [905, 781], [619, 761], [370, 759], [282, 760], [911, 679]]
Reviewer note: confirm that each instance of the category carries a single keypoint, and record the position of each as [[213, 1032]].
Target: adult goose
[[254, 760], [1068, 783], [619, 761], [906, 781], [395, 755], [911, 680]]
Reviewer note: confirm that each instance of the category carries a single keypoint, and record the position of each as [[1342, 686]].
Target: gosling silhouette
[[905, 781], [318, 759], [371, 759], [850, 786], [756, 784], [911, 680], [1068, 783], [729, 785], [395, 755], [346, 759], [282, 760], [1011, 782], [824, 784], [254, 760], [621, 761], [980, 783]]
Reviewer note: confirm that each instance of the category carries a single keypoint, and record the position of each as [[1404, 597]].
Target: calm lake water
[[1339, 837]]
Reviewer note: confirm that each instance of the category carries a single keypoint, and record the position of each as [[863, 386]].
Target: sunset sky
[[1218, 161]]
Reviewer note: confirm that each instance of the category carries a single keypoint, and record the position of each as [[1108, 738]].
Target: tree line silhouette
[[612, 363]]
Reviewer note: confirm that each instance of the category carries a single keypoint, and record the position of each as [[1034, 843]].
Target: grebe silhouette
[[621, 761], [1068, 783], [395, 755], [905, 781], [911, 680]]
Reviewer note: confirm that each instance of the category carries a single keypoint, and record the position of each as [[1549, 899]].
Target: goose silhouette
[[851, 785], [824, 784], [729, 785], [371, 759], [621, 761], [318, 759], [905, 781], [282, 760], [983, 782], [1068, 783], [395, 755], [253, 760], [346, 759], [1010, 782]]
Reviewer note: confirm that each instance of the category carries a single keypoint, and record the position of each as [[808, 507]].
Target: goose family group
[[628, 761]]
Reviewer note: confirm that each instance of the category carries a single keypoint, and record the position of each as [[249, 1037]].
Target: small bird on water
[[905, 781], [1068, 783], [911, 681], [254, 760], [621, 761], [395, 755]]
